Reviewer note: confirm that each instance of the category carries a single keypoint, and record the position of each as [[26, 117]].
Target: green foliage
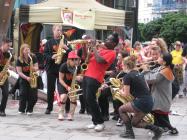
[[171, 27]]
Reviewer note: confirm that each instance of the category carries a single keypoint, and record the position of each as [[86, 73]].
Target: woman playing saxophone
[[136, 87], [67, 75], [28, 94]]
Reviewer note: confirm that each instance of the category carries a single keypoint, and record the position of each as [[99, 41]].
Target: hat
[[72, 54], [44, 41]]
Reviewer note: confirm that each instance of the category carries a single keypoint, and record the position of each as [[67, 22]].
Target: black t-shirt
[[3, 59], [68, 73], [26, 66], [136, 81], [50, 49]]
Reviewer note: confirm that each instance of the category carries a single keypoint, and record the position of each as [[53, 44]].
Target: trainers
[[99, 127], [29, 113], [119, 122], [91, 126], [21, 112], [174, 131]]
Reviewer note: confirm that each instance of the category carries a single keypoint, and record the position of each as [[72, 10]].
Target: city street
[[46, 127]]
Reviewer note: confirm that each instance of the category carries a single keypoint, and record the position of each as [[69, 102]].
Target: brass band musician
[[4, 65], [66, 73], [28, 94], [99, 62], [135, 86], [50, 55]]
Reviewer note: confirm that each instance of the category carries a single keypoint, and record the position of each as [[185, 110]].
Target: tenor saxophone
[[5, 74], [60, 51], [33, 75]]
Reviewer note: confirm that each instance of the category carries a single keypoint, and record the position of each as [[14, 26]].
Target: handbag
[[40, 84]]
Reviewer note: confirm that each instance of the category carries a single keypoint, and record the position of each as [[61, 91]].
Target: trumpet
[[148, 63], [79, 41]]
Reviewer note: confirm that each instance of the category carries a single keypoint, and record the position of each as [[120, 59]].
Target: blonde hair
[[162, 44], [23, 46], [130, 61]]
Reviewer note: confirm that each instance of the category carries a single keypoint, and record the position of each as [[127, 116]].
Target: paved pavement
[[46, 127]]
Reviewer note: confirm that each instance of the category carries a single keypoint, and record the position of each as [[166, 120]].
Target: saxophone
[[33, 75], [149, 118], [4, 73], [74, 87], [60, 51]]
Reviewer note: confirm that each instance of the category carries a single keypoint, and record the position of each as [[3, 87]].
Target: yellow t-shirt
[[177, 57]]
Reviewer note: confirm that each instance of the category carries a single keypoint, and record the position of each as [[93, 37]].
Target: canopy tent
[[51, 12]]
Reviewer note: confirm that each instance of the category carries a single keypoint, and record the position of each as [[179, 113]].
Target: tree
[[171, 27]]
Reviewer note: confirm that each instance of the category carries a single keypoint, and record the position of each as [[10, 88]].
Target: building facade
[[152, 9]]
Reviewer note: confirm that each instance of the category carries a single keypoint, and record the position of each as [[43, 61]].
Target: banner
[[80, 19]]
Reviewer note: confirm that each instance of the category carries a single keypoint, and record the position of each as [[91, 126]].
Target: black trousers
[[28, 96], [162, 120], [90, 89], [104, 101], [51, 82], [4, 99]]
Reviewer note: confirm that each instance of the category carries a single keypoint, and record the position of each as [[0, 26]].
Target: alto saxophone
[[60, 51], [33, 75], [74, 87], [4, 73]]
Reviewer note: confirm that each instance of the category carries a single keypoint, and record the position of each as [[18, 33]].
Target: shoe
[[29, 113], [174, 131], [82, 111], [60, 117], [47, 111], [99, 127], [70, 117], [115, 118], [106, 118], [119, 122], [91, 126], [180, 96], [2, 114], [112, 113], [21, 112]]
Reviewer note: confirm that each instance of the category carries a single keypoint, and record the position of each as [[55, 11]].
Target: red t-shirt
[[97, 70]]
